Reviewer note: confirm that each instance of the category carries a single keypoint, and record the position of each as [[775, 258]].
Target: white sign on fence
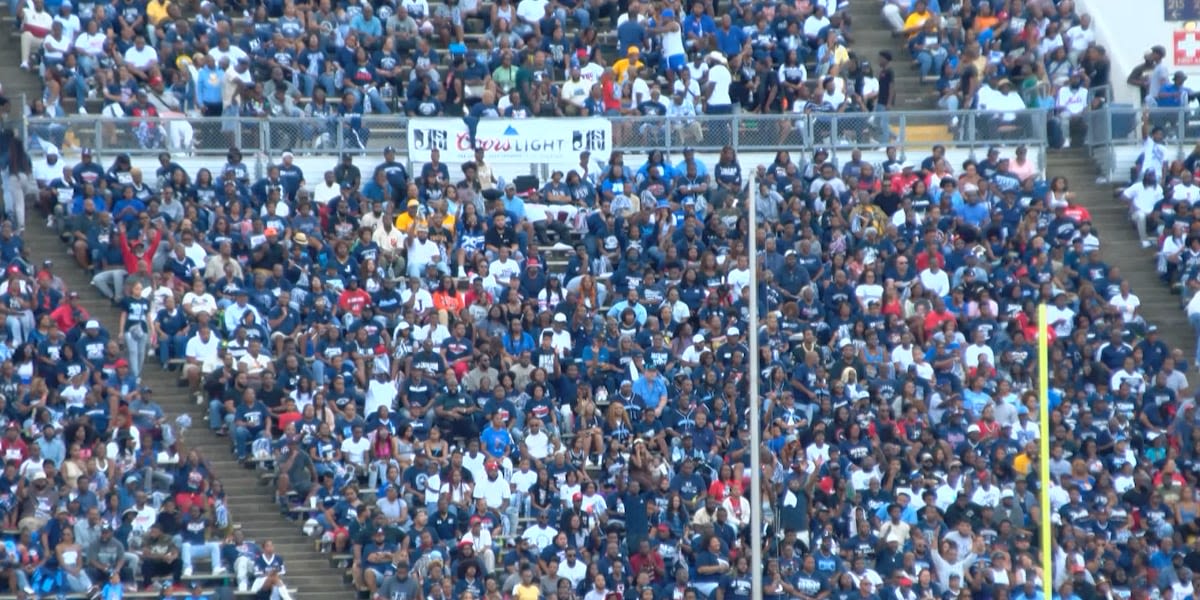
[[509, 140]]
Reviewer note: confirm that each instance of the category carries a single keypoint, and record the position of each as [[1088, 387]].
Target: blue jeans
[[216, 416], [329, 83], [376, 101], [581, 14], [885, 129], [171, 347], [931, 61], [307, 83], [241, 441]]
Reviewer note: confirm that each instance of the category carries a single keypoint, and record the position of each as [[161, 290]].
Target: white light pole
[[756, 512]]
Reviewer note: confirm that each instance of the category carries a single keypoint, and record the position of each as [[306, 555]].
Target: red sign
[[1187, 48]]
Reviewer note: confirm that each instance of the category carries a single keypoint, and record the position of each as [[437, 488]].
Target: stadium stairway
[[309, 572], [17, 83], [1121, 248], [870, 36]]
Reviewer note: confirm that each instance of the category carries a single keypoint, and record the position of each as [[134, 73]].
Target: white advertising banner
[[510, 140]]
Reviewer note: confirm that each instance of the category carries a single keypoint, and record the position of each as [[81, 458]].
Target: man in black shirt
[[500, 235]]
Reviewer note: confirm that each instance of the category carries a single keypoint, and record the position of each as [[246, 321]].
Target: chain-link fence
[[1114, 133], [841, 132]]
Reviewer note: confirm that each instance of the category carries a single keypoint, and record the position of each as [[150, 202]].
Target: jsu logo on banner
[[430, 139], [592, 140]]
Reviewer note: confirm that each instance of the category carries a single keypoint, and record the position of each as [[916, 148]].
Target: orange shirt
[[451, 302]]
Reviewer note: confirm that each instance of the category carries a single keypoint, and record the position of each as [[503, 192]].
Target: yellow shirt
[[1022, 463], [621, 66], [527, 592], [915, 21], [404, 220], [156, 12]]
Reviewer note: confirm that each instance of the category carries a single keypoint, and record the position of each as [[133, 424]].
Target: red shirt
[[1077, 213], [64, 316], [354, 300], [934, 320], [14, 450]]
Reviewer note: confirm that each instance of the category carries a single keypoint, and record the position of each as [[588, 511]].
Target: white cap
[[733, 331], [560, 318], [973, 428], [698, 338], [1006, 494], [92, 324], [37, 475]]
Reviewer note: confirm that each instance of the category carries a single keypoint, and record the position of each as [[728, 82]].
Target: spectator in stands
[[160, 557]]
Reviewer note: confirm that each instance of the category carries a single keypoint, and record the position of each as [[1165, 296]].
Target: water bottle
[[387, 92], [222, 514]]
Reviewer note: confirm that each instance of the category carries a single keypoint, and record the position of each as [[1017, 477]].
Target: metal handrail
[[838, 132]]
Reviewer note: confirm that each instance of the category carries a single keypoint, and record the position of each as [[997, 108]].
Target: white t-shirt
[[1128, 305], [1073, 102], [974, 351], [505, 270], [1154, 157], [523, 481], [234, 54], [379, 393], [56, 49], [255, 365], [737, 279], [720, 78], [937, 283], [71, 25], [538, 445], [493, 492], [201, 350], [540, 537], [531, 11], [639, 92], [141, 59], [423, 253], [1189, 193], [1078, 38], [1142, 198], [355, 451], [91, 44], [200, 303]]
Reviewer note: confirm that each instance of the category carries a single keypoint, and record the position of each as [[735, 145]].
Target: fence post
[[264, 136], [969, 138], [100, 137], [237, 130], [1042, 122], [1180, 131], [833, 138], [735, 126], [667, 131]]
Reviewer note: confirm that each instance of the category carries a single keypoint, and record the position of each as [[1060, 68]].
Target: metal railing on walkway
[[747, 132], [1114, 133]]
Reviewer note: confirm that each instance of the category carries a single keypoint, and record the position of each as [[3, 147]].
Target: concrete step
[[871, 35], [1120, 247], [250, 504]]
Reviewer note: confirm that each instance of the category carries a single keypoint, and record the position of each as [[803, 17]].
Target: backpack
[[47, 581]]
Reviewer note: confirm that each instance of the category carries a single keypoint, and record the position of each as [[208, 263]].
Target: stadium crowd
[[459, 420], [329, 63], [463, 421]]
